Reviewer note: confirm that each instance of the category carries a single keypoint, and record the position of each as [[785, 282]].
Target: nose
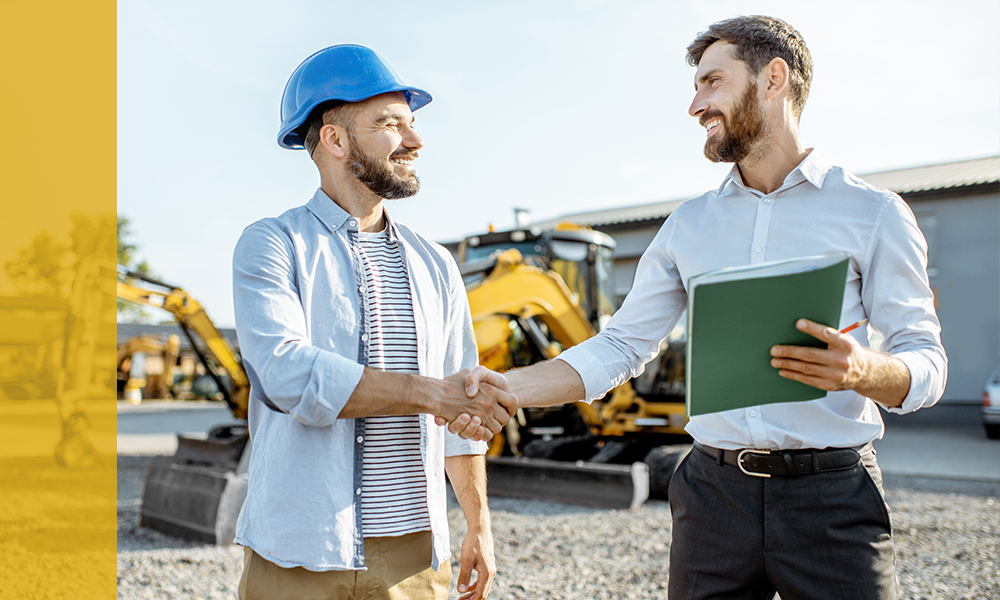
[[698, 105], [411, 140]]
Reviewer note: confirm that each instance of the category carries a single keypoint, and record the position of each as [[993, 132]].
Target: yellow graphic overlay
[[57, 318]]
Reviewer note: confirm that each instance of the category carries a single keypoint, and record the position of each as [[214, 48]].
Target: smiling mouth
[[711, 126], [406, 161]]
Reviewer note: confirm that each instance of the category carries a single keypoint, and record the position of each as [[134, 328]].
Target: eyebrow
[[706, 77], [393, 116]]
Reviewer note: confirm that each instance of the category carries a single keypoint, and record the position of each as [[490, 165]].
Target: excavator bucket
[[197, 493], [593, 484]]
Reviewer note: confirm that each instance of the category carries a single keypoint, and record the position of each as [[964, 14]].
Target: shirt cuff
[[332, 381], [456, 446], [594, 374], [925, 390]]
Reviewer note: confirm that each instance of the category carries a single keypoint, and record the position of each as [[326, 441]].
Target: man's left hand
[[842, 365], [477, 555]]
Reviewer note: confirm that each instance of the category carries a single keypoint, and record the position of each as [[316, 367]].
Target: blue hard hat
[[346, 72]]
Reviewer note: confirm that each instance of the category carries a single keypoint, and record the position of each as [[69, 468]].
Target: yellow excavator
[[535, 293], [133, 385], [197, 493]]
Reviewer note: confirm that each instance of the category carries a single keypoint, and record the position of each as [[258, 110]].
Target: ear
[[775, 77], [334, 139]]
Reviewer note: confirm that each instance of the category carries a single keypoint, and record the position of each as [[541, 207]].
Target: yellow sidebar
[[57, 317]]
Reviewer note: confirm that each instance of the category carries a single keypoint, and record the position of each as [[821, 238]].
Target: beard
[[741, 131], [378, 176]]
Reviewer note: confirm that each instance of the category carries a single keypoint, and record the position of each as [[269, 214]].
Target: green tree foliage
[[42, 268], [47, 265], [129, 311]]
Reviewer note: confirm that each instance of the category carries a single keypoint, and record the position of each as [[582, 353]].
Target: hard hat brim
[[291, 138]]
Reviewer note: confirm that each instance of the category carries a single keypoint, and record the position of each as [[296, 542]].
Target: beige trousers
[[398, 569]]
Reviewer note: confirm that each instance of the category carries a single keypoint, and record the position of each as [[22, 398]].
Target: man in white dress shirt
[[803, 512]]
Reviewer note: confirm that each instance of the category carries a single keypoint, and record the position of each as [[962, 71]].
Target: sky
[[557, 106]]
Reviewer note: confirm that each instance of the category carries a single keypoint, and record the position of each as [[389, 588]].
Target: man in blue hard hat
[[355, 332], [775, 497]]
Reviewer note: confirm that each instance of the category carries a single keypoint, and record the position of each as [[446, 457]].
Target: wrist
[[479, 527], [426, 393]]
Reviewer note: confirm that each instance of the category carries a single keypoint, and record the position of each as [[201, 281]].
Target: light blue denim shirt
[[818, 209], [302, 325]]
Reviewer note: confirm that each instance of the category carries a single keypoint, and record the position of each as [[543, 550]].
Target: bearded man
[[806, 516], [348, 323]]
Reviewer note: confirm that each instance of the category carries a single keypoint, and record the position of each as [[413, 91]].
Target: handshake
[[476, 404]]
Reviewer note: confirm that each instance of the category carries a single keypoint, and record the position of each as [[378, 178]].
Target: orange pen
[[851, 328]]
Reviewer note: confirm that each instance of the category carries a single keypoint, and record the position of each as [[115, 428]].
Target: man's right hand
[[480, 413]]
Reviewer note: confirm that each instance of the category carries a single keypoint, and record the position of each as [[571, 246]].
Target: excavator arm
[[526, 293], [191, 316]]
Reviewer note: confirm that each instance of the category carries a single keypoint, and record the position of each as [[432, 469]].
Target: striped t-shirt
[[394, 488]]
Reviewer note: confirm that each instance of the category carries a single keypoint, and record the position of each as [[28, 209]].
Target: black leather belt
[[787, 463]]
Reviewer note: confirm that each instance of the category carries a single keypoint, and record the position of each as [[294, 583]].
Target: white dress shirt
[[818, 209], [303, 325]]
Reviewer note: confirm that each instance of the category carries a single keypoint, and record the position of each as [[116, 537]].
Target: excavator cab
[[582, 257], [533, 294]]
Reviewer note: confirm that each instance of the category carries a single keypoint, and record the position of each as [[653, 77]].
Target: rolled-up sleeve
[[287, 372], [462, 351], [900, 303]]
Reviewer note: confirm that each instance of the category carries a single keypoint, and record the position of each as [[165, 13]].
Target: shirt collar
[[812, 169], [334, 217]]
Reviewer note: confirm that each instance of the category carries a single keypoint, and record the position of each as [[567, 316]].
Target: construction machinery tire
[[662, 462]]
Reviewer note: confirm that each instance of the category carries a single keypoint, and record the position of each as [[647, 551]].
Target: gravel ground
[[947, 544]]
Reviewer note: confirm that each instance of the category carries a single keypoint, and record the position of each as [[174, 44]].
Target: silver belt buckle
[[739, 462]]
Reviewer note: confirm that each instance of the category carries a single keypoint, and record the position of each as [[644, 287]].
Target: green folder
[[736, 315]]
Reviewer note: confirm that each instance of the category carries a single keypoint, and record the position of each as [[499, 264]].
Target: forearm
[[546, 384], [467, 474], [386, 393], [886, 379]]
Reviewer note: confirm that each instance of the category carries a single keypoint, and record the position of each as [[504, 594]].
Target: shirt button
[[767, 200], [364, 338], [354, 223], [357, 492], [361, 439], [361, 288], [758, 249], [753, 413]]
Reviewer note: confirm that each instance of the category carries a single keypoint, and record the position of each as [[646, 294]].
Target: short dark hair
[[330, 112], [758, 40]]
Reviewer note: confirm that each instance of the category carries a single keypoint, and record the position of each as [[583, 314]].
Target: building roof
[[963, 173], [943, 176], [628, 214], [162, 330]]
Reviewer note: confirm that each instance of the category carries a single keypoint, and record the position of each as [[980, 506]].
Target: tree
[[46, 266], [129, 311], [44, 273]]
